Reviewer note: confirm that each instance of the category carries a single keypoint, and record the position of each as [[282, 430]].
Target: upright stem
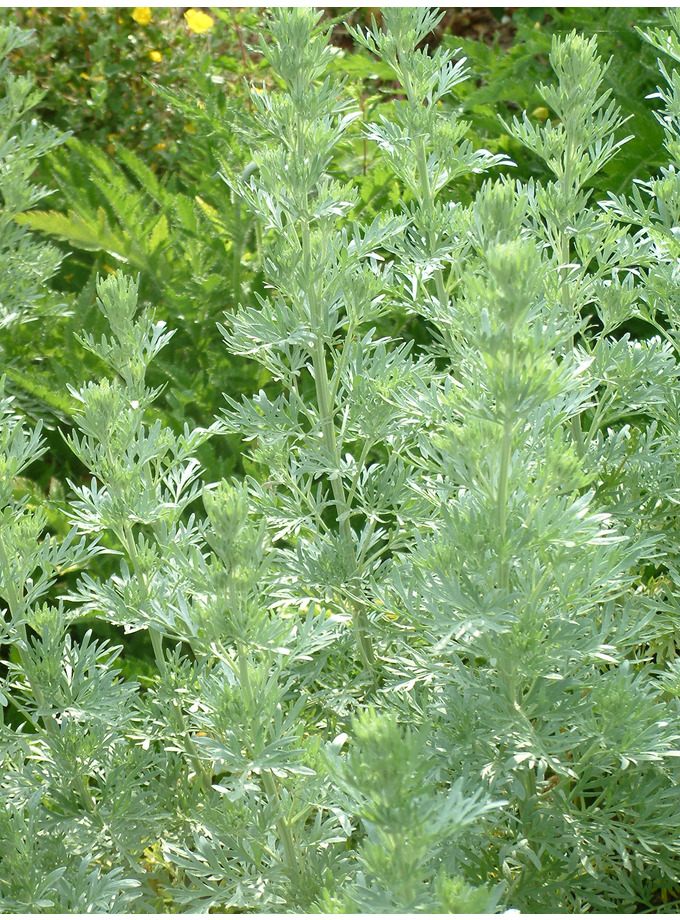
[[267, 777], [281, 825], [528, 780], [128, 541], [576, 428], [326, 406], [12, 595], [330, 440], [502, 499], [565, 256], [238, 237], [428, 202]]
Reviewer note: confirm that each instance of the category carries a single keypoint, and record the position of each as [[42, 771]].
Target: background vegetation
[[136, 184]]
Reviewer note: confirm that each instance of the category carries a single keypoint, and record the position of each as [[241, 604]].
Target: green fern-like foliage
[[192, 257]]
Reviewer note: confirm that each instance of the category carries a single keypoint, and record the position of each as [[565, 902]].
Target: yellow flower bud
[[156, 56], [541, 112], [198, 22], [142, 15]]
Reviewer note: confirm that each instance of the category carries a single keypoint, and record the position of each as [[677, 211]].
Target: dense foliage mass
[[339, 463]]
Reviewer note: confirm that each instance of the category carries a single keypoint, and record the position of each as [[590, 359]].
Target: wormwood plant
[[508, 79], [533, 626], [423, 661]]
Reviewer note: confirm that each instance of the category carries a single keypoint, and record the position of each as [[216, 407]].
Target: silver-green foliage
[[424, 662]]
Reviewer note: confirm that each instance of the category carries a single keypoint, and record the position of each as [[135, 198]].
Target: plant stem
[[281, 825], [576, 428], [128, 540], [330, 440], [428, 204], [565, 245], [267, 776], [502, 499], [13, 600], [664, 332]]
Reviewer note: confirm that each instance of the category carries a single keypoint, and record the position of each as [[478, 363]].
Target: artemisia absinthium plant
[[429, 630], [225, 714], [60, 708], [332, 446], [651, 470], [213, 785], [525, 593]]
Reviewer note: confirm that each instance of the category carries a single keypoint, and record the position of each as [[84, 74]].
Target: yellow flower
[[156, 56], [142, 15], [198, 22]]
